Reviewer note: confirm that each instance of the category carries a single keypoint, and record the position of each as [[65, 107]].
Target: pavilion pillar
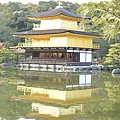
[[65, 54]]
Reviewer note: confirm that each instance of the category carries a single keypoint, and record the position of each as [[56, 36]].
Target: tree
[[113, 57], [105, 18], [6, 55]]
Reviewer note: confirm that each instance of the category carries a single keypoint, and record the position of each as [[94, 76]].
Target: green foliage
[[6, 55], [104, 46], [113, 57], [105, 18]]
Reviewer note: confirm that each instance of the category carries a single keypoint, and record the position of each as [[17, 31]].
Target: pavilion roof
[[55, 31], [55, 12]]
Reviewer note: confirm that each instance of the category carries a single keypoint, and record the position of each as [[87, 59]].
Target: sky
[[36, 1]]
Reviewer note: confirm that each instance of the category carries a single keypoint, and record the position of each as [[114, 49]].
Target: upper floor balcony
[[95, 46], [21, 44]]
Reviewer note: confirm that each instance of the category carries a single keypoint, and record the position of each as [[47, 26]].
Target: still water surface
[[37, 95]]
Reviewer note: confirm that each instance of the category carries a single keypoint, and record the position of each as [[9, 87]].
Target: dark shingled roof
[[54, 31], [56, 11]]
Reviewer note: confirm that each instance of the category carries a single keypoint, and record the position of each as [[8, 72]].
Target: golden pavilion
[[58, 41]]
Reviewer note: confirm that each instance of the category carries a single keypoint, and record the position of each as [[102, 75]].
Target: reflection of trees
[[11, 110], [110, 93], [113, 88], [11, 74]]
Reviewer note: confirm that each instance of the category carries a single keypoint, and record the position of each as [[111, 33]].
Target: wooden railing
[[96, 46], [24, 44], [36, 26], [80, 27], [44, 61]]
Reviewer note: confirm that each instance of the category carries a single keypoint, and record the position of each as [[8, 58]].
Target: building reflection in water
[[55, 111], [57, 94]]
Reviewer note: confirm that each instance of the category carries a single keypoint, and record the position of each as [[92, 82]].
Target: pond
[[47, 95]]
